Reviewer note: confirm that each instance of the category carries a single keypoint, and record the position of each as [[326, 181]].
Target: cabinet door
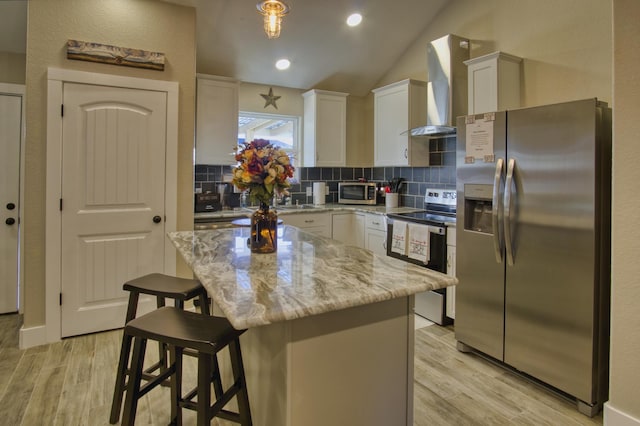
[[325, 129], [376, 234], [359, 229], [348, 228], [342, 229], [317, 223], [376, 241], [216, 121], [399, 107], [493, 83], [390, 121]]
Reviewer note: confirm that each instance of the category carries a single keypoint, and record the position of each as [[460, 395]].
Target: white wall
[[566, 45], [623, 407], [139, 24], [12, 67]]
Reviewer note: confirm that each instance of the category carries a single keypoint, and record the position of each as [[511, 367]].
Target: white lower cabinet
[[451, 270], [365, 230], [348, 227], [316, 223], [375, 238]]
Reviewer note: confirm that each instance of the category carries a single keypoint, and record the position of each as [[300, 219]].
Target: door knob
[[11, 206], [157, 219], [10, 221]]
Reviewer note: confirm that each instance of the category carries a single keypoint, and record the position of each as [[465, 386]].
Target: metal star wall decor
[[270, 99]]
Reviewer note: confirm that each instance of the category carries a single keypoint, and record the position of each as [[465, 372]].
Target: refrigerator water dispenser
[[478, 207]]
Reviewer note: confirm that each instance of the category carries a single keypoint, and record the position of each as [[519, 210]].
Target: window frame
[[294, 152]]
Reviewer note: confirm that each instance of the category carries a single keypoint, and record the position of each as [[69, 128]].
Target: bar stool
[[163, 287], [205, 334]]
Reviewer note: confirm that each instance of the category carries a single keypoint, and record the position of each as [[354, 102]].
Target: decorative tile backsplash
[[441, 174]]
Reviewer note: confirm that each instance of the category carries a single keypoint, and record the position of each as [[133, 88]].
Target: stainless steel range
[[439, 211]]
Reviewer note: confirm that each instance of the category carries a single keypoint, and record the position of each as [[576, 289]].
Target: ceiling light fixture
[[283, 64], [273, 11], [354, 19]]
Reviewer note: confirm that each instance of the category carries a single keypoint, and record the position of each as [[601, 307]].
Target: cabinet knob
[[10, 221], [157, 219], [11, 206]]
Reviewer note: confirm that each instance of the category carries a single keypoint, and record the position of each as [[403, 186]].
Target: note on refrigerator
[[479, 146]]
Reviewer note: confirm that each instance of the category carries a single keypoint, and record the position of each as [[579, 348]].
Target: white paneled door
[[10, 136], [113, 206]]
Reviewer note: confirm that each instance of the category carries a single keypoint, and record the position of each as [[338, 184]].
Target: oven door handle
[[507, 210], [495, 211]]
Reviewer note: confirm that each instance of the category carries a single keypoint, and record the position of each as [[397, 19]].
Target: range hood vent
[[447, 86]]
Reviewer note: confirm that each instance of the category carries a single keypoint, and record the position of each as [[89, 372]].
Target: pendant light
[[273, 11]]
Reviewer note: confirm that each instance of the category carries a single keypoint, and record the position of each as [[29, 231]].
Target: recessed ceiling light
[[354, 19], [283, 64]]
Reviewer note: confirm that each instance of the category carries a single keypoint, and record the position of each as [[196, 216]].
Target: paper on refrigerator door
[[418, 242], [399, 237], [479, 141]]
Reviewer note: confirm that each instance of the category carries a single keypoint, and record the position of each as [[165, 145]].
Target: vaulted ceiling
[[324, 52]]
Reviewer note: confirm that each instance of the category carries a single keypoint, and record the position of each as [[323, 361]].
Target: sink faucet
[[281, 199]]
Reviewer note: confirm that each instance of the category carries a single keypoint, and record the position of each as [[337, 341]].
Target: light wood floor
[[71, 383]]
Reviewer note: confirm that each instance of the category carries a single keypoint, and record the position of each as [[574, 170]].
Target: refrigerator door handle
[[507, 210], [495, 211]]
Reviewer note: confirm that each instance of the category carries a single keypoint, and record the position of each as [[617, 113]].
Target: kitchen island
[[330, 326]]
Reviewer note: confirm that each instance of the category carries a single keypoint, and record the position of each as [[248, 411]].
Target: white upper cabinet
[[494, 82], [399, 107], [216, 120], [325, 129]]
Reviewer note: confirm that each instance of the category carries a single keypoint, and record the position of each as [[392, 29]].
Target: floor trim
[[32, 336], [615, 417]]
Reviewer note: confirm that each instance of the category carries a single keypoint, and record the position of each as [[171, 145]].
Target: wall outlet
[[309, 191]]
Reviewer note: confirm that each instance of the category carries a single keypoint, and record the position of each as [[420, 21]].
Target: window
[[281, 130]]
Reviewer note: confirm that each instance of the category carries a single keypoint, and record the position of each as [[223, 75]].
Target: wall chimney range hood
[[447, 86]]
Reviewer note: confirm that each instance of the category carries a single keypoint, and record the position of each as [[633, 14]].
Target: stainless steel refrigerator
[[533, 243]]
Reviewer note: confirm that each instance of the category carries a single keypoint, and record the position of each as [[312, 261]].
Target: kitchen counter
[[307, 275], [303, 208], [331, 326]]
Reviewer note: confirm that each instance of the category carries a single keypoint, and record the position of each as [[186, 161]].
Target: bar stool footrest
[[188, 403], [158, 380]]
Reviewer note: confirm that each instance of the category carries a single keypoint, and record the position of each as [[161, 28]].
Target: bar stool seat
[[163, 287], [205, 334]]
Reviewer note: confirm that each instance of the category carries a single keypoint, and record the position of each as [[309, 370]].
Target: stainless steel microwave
[[357, 193]]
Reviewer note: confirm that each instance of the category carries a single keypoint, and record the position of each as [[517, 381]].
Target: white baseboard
[[615, 417], [33, 336]]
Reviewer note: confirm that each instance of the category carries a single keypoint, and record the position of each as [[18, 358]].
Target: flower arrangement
[[263, 169]]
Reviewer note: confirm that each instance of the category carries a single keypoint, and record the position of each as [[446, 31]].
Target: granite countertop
[[308, 275], [304, 208]]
